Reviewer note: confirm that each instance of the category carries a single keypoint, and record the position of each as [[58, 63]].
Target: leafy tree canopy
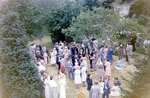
[[102, 23], [60, 18]]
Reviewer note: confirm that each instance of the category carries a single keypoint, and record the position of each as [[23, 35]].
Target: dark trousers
[[105, 95], [58, 63], [73, 60], [71, 73]]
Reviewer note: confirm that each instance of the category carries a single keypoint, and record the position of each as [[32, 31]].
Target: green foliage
[[61, 18], [32, 17], [102, 23], [90, 4], [19, 75]]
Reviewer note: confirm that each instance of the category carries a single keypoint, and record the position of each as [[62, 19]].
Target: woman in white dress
[[53, 88], [62, 83], [47, 90], [77, 73], [53, 56], [66, 54], [83, 70], [115, 91]]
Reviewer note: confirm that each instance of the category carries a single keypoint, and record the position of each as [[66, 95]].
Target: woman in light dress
[[108, 69], [53, 56], [100, 69], [84, 75], [105, 52], [84, 60], [45, 56], [62, 83], [66, 53], [77, 73], [53, 88], [47, 90], [115, 91]]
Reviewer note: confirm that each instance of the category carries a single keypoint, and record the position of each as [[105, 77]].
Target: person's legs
[[103, 95], [72, 75], [129, 59], [107, 95], [69, 73], [58, 67]]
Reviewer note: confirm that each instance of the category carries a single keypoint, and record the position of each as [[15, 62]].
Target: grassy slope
[[71, 90]]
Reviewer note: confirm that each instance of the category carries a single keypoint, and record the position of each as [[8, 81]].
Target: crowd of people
[[77, 62]]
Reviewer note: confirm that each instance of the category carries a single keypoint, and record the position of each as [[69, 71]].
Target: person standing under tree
[[121, 51], [129, 50]]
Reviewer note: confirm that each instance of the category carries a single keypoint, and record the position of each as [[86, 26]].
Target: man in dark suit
[[106, 88], [74, 51]]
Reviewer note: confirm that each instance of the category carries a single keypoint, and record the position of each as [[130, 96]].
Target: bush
[[19, 75]]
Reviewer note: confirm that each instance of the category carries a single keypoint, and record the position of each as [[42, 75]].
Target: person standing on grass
[[105, 52], [45, 56], [108, 69], [129, 50], [110, 55], [90, 57], [101, 54], [89, 82], [69, 67], [46, 86], [106, 89], [95, 90], [94, 61], [53, 88], [84, 75], [121, 51], [62, 83], [100, 69], [77, 74]]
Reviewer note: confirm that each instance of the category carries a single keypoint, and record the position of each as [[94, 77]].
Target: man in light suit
[[69, 67], [106, 88], [129, 50]]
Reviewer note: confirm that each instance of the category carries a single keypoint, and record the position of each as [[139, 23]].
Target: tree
[[31, 16], [61, 18], [102, 23], [90, 4], [19, 75]]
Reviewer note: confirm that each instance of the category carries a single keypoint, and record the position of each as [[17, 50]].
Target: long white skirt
[[53, 60], [47, 92], [62, 91]]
